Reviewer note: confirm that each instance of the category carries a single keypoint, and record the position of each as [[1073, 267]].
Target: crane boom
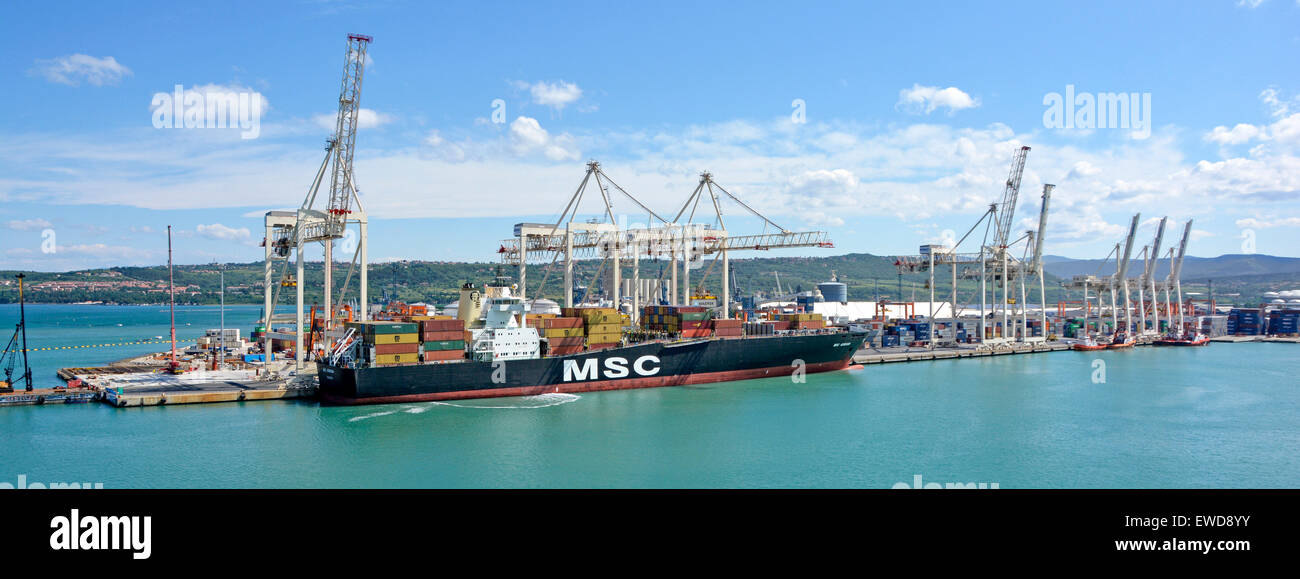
[[1122, 269], [345, 131], [1007, 208], [1177, 268], [1042, 228], [1155, 251]]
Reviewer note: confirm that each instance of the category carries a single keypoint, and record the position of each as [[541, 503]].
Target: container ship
[[493, 347]]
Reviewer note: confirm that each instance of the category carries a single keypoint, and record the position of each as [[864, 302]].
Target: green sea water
[[1227, 415]]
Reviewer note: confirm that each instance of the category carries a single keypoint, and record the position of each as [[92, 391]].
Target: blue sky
[[911, 113]]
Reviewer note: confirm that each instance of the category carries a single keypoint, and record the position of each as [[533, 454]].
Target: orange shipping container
[[383, 349], [439, 355]]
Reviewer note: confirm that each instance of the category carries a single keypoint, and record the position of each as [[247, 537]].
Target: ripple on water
[[519, 402]]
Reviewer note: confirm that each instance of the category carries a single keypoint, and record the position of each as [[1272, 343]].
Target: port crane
[[1120, 279], [289, 233], [994, 262], [1152, 257], [1175, 273], [686, 244]]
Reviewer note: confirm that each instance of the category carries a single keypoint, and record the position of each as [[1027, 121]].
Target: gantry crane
[[682, 243], [1120, 279], [290, 232], [1148, 280], [993, 258], [1175, 273]]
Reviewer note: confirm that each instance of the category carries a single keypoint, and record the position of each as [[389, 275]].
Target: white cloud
[[1253, 223], [927, 99], [29, 224], [1234, 136], [1083, 169], [75, 69], [528, 137], [1251, 4], [222, 232], [556, 95], [366, 119]]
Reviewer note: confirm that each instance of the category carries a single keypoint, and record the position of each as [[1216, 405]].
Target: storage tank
[[543, 306], [833, 290]]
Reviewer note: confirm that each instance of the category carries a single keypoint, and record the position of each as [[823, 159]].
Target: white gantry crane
[[1152, 257], [288, 233], [684, 244], [1120, 279], [1175, 273], [994, 257]]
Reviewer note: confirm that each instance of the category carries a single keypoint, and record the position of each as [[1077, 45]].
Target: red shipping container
[[561, 342], [693, 325], [437, 355], [601, 346], [564, 350], [718, 324], [412, 348], [564, 323], [780, 325], [444, 335], [441, 326], [697, 333], [728, 332]]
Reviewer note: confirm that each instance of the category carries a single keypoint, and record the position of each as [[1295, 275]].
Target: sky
[[887, 125]]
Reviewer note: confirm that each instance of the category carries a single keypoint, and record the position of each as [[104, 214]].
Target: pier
[[906, 354]]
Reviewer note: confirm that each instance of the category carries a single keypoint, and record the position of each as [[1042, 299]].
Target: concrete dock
[[139, 383], [909, 354]]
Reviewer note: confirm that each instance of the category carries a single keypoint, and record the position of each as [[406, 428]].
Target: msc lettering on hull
[[613, 367]]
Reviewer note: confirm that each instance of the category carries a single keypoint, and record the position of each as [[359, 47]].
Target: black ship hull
[[647, 365]]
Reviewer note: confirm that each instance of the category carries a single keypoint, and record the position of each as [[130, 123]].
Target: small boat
[[1120, 340], [1088, 344], [1191, 340]]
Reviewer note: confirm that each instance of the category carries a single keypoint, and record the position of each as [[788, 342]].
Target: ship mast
[[22, 323], [171, 296]]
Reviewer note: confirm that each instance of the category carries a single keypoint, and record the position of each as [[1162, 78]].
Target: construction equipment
[[17, 345]]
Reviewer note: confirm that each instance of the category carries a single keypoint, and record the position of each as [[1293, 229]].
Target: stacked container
[[442, 339], [726, 328], [604, 326], [390, 343], [1245, 322], [803, 321], [1283, 322], [564, 335], [688, 321]]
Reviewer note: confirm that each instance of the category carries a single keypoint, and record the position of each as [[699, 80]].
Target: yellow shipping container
[[379, 339], [562, 332], [604, 338], [604, 328], [386, 359]]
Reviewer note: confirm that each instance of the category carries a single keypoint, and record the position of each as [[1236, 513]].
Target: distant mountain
[[1194, 268]]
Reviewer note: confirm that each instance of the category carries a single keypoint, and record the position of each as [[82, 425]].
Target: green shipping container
[[372, 328], [444, 345]]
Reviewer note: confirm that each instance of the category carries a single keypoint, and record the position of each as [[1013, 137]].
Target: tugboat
[[1088, 344], [1121, 340], [1189, 339]]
